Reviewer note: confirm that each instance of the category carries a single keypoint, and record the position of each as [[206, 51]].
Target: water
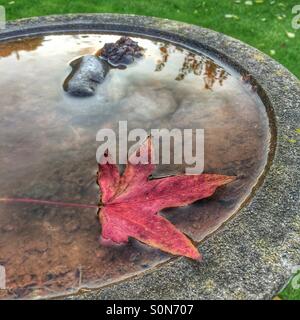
[[48, 146]]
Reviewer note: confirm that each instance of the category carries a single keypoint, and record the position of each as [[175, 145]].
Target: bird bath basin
[[48, 148]]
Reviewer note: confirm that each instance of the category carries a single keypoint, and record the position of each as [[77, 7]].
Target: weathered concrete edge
[[251, 255]]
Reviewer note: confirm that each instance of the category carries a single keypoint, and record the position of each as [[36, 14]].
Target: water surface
[[48, 147]]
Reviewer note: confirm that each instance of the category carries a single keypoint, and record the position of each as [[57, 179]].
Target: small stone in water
[[88, 71]]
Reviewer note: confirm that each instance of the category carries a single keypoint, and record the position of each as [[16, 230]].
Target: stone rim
[[243, 259]]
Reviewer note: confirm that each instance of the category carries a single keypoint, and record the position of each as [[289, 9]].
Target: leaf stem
[[46, 202]]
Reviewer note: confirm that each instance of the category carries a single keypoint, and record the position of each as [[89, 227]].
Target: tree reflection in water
[[192, 64], [14, 47]]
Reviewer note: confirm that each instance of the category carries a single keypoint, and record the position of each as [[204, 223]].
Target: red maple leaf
[[130, 203]]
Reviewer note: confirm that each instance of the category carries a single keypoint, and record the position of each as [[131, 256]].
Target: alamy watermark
[[296, 19], [2, 18], [188, 147], [2, 278], [295, 282]]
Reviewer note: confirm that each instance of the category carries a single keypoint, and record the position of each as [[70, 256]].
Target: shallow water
[[48, 146]]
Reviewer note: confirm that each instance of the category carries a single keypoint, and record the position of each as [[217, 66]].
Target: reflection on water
[[15, 47], [195, 64], [47, 151], [165, 51]]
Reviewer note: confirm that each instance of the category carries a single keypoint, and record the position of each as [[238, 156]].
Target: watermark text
[[176, 146], [2, 18], [2, 278], [296, 19], [296, 279]]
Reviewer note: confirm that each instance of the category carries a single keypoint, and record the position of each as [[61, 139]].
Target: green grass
[[264, 25]]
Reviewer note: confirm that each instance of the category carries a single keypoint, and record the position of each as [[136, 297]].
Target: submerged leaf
[[130, 203]]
